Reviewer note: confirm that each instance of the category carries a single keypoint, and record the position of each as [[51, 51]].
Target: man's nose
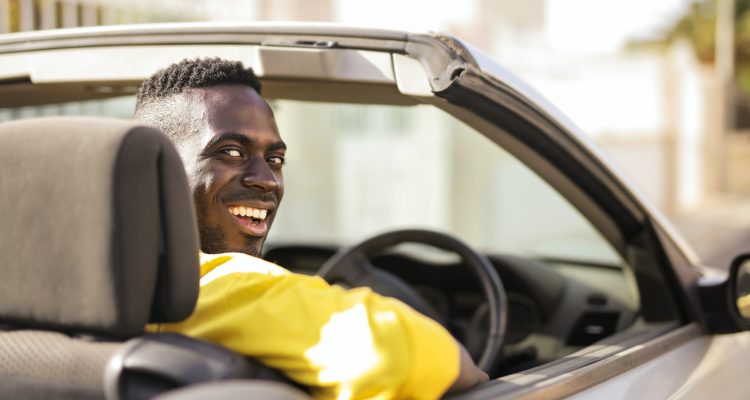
[[258, 175]]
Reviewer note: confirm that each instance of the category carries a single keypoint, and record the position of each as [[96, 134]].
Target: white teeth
[[258, 213]]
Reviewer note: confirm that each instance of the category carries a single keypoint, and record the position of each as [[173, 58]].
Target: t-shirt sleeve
[[341, 343]]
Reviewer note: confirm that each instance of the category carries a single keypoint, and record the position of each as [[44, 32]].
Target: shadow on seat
[[99, 238]]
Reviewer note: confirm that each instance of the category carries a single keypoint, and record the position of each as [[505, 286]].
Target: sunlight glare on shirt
[[346, 349]]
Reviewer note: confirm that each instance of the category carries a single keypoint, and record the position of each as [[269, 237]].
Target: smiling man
[[227, 137], [340, 343], [237, 180]]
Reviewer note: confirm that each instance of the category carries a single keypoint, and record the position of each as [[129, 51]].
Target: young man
[[340, 343]]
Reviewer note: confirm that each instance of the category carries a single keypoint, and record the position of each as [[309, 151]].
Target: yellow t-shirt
[[341, 343]]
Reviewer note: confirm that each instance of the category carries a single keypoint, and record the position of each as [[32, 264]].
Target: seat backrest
[[97, 233]]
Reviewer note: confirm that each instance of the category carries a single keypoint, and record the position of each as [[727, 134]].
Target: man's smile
[[255, 213], [252, 220]]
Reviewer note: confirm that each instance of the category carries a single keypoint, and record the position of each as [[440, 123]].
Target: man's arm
[[340, 343], [470, 375]]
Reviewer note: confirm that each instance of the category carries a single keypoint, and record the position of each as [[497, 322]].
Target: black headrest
[[97, 227]]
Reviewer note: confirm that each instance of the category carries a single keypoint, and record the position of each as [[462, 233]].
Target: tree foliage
[[698, 26]]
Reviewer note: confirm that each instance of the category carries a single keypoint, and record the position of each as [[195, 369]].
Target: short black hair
[[196, 73], [155, 101]]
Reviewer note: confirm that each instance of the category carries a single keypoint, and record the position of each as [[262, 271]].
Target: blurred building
[[658, 114]]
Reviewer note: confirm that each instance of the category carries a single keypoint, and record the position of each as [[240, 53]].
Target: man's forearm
[[470, 375]]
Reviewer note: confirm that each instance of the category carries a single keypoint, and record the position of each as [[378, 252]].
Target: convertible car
[[416, 166]]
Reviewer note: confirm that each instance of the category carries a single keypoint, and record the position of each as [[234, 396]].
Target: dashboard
[[555, 307]]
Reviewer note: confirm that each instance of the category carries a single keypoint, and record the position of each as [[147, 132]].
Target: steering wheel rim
[[352, 266]]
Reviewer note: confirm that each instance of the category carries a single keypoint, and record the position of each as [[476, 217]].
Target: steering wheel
[[353, 268]]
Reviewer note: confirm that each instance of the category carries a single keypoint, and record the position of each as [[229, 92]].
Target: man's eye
[[276, 160], [230, 152]]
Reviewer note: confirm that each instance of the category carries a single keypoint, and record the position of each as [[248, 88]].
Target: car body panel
[[701, 368]]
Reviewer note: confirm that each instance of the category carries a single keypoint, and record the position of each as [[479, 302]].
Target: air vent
[[593, 326]]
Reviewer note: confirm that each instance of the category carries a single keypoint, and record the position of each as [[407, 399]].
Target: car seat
[[98, 239]]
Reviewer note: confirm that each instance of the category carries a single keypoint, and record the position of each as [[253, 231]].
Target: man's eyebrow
[[242, 140], [225, 137], [280, 145]]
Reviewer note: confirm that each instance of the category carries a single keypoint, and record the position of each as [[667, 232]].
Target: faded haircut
[[178, 117]]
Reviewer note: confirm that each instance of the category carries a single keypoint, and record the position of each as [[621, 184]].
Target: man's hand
[[470, 375]]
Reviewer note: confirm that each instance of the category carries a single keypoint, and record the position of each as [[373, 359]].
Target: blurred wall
[[655, 113]]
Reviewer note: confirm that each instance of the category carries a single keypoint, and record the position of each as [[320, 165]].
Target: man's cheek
[[200, 177], [196, 166]]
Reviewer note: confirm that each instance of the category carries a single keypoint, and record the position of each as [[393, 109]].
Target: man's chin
[[255, 252], [254, 246], [251, 246]]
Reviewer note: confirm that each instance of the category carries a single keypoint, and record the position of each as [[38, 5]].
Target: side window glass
[[354, 171]]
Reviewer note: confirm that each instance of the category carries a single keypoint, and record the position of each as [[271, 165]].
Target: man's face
[[234, 167]]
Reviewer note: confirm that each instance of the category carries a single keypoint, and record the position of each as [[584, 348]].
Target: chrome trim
[[616, 364], [587, 368]]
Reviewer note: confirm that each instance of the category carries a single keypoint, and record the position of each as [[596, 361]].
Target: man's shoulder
[[217, 265]]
